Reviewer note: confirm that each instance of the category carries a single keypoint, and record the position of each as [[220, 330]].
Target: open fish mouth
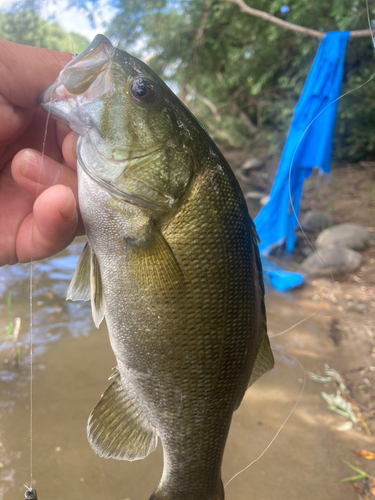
[[83, 70]]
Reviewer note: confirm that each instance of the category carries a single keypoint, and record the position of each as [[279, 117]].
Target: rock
[[264, 200], [253, 195], [335, 259], [252, 164], [351, 236], [361, 308], [316, 221]]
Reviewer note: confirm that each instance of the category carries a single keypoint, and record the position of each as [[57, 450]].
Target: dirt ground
[[348, 305]]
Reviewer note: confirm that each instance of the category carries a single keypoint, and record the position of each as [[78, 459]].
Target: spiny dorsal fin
[[87, 283], [97, 298], [264, 360], [152, 262], [117, 428], [79, 288]]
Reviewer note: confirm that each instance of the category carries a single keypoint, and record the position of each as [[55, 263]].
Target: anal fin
[[117, 428]]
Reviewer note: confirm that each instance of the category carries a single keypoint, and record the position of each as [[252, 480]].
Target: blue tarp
[[308, 145]]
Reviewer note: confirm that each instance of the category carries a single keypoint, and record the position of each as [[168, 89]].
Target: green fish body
[[171, 263]]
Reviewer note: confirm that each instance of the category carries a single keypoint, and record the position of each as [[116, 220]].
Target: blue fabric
[[309, 142], [279, 278], [308, 145]]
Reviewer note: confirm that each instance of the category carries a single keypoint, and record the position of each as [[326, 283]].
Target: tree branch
[[290, 26], [205, 101]]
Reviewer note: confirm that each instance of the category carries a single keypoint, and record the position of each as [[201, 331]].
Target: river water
[[72, 362]]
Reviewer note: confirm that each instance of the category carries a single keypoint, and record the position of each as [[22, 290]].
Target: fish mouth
[[77, 78]]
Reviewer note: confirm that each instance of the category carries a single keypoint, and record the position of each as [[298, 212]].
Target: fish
[[172, 264]]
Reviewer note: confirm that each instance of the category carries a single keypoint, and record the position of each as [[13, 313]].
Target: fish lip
[[46, 98]]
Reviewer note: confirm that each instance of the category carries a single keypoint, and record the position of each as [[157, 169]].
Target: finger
[[14, 121], [62, 130], [35, 173], [51, 227], [69, 148], [40, 134], [27, 71]]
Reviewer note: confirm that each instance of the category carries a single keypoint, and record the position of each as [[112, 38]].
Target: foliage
[[250, 70], [28, 28]]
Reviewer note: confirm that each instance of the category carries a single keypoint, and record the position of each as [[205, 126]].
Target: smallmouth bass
[[172, 264]]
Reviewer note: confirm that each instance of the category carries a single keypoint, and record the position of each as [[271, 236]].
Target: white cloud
[[74, 19]]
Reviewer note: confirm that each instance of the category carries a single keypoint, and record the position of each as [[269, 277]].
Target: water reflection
[[72, 361]]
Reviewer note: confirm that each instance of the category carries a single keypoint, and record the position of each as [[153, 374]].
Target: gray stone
[[335, 259], [254, 195], [264, 200], [316, 221], [252, 163], [351, 236]]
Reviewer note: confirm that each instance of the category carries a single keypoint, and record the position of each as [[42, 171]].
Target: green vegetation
[[241, 75], [12, 329], [9, 326], [28, 28], [251, 71]]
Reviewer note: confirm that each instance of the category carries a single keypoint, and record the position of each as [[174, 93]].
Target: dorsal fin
[[264, 360]]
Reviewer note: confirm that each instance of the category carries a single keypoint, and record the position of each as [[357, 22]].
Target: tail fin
[[162, 493]]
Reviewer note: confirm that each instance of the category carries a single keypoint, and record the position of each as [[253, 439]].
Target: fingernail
[[67, 209], [40, 170]]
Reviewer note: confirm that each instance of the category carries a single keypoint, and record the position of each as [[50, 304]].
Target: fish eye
[[142, 91]]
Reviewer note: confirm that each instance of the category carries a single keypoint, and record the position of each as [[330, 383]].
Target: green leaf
[[361, 472], [354, 478]]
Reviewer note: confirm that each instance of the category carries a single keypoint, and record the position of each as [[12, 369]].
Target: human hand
[[38, 196]]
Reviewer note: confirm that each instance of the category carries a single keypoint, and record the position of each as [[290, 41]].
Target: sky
[[73, 19]]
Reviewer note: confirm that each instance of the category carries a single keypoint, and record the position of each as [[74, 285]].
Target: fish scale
[[171, 263]]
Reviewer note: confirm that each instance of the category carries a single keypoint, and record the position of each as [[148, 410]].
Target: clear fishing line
[[317, 253], [29, 489], [289, 184], [31, 326], [285, 421]]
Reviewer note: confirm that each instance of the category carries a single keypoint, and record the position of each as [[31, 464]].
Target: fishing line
[[314, 250], [285, 421], [30, 492], [289, 184]]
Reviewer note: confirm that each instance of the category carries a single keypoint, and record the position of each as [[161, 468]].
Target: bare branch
[[248, 122], [273, 19], [361, 33], [294, 27], [205, 101]]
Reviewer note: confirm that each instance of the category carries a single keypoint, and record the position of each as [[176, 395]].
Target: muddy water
[[72, 361]]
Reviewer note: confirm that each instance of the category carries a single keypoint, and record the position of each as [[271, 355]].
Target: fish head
[[133, 134]]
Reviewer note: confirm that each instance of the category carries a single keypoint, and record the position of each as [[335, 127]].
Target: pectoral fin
[[264, 361], [117, 428], [87, 283], [79, 288], [152, 262], [97, 298]]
